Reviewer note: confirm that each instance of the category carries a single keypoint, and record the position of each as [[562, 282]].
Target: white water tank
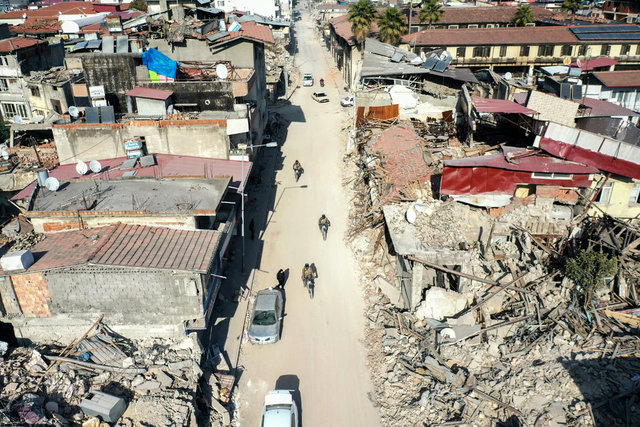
[[17, 260]]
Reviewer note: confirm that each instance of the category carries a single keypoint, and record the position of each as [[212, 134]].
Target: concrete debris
[[439, 303]]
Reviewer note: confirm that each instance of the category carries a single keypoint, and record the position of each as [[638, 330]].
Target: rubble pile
[[512, 341], [160, 382]]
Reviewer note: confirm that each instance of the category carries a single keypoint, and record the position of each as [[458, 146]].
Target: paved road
[[321, 355]]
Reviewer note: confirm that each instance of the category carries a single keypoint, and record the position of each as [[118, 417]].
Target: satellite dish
[[52, 184], [566, 61], [17, 120], [221, 71], [74, 112], [411, 215], [579, 63], [82, 168], [95, 166], [508, 76]]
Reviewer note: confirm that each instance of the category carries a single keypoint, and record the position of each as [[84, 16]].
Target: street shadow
[[315, 270], [292, 383], [610, 385]]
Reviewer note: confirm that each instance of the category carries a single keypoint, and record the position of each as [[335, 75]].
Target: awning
[[487, 105], [594, 63]]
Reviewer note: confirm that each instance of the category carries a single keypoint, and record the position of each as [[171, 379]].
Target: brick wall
[[32, 293]]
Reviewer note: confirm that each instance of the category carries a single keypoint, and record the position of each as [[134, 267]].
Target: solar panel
[[107, 44], [79, 46], [397, 57], [574, 72], [216, 36], [92, 115], [609, 36], [107, 115], [148, 160], [576, 93], [565, 91], [431, 62], [442, 65], [128, 164], [94, 44], [605, 29], [122, 44]]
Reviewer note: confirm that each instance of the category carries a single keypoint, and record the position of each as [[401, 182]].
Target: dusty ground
[[321, 355]]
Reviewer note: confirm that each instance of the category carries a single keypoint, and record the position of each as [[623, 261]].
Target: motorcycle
[[298, 173], [323, 229], [308, 283], [321, 82]]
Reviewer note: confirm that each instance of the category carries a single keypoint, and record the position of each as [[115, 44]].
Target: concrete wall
[[151, 107], [136, 302], [620, 204], [239, 53], [44, 104], [189, 50], [209, 96], [115, 71], [56, 223], [190, 138]]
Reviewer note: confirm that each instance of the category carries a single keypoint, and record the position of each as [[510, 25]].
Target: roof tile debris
[[250, 30], [127, 245]]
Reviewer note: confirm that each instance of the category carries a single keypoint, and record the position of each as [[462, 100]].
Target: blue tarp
[[159, 63]]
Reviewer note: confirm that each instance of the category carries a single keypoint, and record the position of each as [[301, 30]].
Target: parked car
[[266, 317], [320, 97], [279, 410], [307, 80], [347, 101]]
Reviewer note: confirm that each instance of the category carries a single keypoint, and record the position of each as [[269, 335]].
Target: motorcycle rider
[[324, 221], [297, 169], [321, 82], [307, 274]]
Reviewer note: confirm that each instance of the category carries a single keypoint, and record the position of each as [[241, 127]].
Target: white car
[[347, 101], [307, 80], [279, 410]]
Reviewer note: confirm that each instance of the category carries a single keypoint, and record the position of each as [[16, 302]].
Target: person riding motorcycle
[[324, 221], [297, 169], [321, 82], [307, 274]]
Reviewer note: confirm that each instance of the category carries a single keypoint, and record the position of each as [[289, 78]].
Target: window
[[545, 50], [4, 85], [638, 50], [503, 51], [530, 24], [10, 109], [482, 51], [35, 91], [524, 50], [605, 49], [553, 175], [634, 200], [4, 60], [461, 52], [473, 26], [567, 50], [583, 50], [453, 27], [625, 49], [605, 194], [491, 25]]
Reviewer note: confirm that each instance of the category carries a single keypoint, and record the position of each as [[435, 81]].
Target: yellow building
[[619, 197], [526, 47]]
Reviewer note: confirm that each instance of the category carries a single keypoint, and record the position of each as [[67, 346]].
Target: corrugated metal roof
[[168, 165], [145, 92], [595, 63], [619, 78], [127, 245], [531, 161], [602, 108], [487, 105]]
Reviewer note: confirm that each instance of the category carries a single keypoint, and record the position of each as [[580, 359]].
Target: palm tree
[[431, 12], [572, 6], [361, 15], [391, 24], [523, 16]]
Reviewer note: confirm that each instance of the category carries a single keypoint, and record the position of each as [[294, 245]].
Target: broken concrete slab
[[392, 292], [226, 418], [440, 303]]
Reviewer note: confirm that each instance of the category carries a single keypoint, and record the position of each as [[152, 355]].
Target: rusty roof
[[250, 30], [16, 43], [53, 11], [491, 36], [126, 245], [37, 26], [619, 78]]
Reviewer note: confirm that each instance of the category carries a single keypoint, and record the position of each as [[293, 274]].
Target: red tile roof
[[595, 63], [16, 43], [251, 30], [37, 26], [342, 27], [53, 11], [619, 78], [487, 105], [127, 245], [168, 166], [482, 15], [491, 36], [145, 92]]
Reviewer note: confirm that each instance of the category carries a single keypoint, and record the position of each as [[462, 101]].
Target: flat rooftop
[[142, 196]]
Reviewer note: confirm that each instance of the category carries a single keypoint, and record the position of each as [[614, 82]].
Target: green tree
[[587, 271], [523, 16], [138, 5], [391, 24], [572, 6], [361, 15], [431, 12]]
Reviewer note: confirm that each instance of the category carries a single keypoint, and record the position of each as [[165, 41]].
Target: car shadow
[[292, 383]]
